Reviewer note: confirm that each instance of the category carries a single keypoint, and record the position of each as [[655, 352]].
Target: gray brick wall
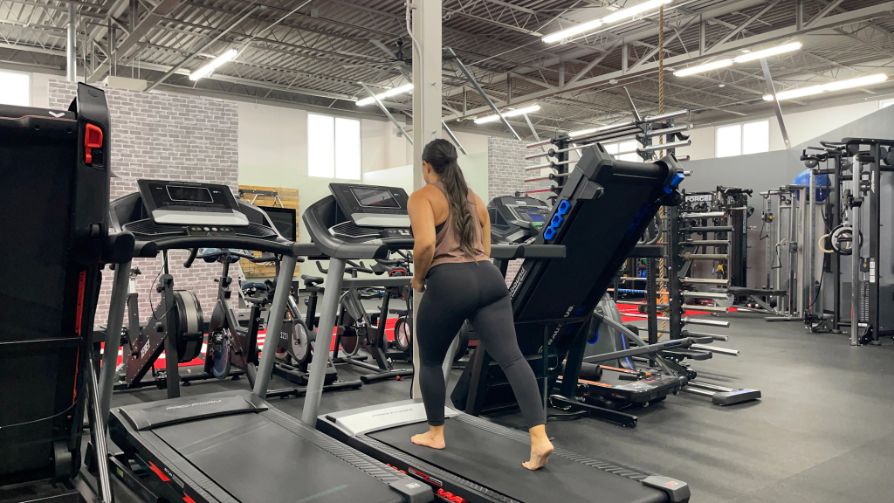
[[166, 136], [506, 176], [506, 162]]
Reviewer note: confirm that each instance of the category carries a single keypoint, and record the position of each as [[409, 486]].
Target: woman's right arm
[[422, 220]]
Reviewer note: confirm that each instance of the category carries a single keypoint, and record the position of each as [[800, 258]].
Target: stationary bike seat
[[257, 286], [310, 281]]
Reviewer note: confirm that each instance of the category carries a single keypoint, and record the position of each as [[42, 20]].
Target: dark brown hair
[[441, 154]]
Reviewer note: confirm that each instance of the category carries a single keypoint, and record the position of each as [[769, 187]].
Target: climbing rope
[[662, 215]]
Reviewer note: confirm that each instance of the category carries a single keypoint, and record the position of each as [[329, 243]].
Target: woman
[[451, 228]]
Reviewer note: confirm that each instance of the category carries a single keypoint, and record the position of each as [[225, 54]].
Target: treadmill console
[[371, 213], [184, 215], [517, 219], [191, 203], [372, 205]]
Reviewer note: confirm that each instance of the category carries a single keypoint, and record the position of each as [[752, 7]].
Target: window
[[739, 139], [15, 88], [755, 137], [333, 147], [629, 147]]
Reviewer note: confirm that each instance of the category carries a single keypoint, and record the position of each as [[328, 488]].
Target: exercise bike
[[232, 345], [356, 329], [142, 345]]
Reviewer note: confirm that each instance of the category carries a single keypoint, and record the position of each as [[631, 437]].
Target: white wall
[[801, 126]]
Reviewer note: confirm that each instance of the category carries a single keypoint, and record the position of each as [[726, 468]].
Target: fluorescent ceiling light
[[572, 31], [614, 17], [868, 80], [635, 10], [511, 113], [770, 51], [706, 67], [394, 91], [876, 78], [214, 64]]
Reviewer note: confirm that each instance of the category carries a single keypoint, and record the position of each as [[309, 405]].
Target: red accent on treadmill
[[158, 472], [92, 140], [187, 499], [79, 315], [449, 496]]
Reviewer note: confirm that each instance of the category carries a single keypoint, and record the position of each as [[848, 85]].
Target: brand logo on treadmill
[[56, 114]]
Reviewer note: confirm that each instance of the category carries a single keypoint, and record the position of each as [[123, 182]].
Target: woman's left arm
[[422, 220]]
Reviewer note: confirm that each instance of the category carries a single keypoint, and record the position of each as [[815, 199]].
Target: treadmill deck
[[259, 454], [493, 460]]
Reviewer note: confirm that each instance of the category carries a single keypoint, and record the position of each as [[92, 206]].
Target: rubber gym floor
[[823, 432]]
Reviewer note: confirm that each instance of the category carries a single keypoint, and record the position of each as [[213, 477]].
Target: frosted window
[[320, 146], [630, 147], [755, 137], [347, 149], [15, 88], [728, 140]]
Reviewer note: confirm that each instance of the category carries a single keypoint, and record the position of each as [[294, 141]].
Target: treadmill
[[483, 461], [227, 446]]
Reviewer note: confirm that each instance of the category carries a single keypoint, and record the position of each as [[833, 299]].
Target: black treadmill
[[229, 446], [483, 460]]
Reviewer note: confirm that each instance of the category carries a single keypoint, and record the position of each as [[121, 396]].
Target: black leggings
[[475, 291]]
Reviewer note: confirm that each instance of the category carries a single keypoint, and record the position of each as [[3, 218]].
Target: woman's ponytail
[[441, 154]]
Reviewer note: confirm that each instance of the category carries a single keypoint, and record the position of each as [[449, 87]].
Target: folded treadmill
[[599, 217], [483, 459], [228, 446]]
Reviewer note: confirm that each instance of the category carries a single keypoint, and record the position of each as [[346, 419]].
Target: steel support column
[[427, 59]]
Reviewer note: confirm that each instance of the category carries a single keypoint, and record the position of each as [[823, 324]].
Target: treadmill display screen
[[374, 197], [182, 194], [531, 214]]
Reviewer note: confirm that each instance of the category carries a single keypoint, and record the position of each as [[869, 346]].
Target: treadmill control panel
[[204, 207], [369, 214], [372, 205], [517, 219]]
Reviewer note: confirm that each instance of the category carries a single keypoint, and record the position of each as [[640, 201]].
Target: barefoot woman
[[452, 265]]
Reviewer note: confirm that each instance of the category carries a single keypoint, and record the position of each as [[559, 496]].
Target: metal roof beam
[[140, 30], [826, 23]]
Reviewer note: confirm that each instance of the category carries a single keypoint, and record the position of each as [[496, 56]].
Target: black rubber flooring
[[824, 431]]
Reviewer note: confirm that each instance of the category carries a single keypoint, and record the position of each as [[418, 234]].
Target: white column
[[427, 58]]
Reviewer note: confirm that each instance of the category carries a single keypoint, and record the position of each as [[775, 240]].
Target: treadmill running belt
[[255, 459], [494, 461]]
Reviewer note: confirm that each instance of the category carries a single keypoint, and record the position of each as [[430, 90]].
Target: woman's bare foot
[[541, 448], [433, 438]]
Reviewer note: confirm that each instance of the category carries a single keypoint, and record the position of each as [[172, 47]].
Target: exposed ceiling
[[316, 53]]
